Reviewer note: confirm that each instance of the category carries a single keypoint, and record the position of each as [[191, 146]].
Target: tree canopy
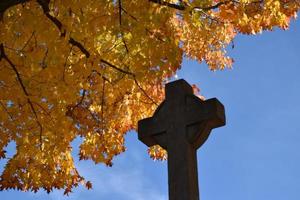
[[94, 68]]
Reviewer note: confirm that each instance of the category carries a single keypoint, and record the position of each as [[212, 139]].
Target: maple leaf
[[88, 185]]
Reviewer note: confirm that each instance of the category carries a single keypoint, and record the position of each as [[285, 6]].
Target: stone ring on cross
[[181, 124]]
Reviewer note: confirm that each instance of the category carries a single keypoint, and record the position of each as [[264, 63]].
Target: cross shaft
[[181, 124]]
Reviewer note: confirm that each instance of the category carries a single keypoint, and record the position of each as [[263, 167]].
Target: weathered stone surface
[[181, 124]]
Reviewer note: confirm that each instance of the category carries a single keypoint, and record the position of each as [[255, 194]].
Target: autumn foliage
[[93, 68]]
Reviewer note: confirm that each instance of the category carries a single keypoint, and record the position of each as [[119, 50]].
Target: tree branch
[[182, 7], [45, 6], [3, 55], [80, 47], [14, 68], [171, 5], [6, 4], [213, 6]]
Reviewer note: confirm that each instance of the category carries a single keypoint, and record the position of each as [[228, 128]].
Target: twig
[[65, 64], [44, 65], [120, 23], [8, 113], [82, 98], [27, 42], [47, 113], [102, 105], [211, 18], [102, 76], [145, 93], [116, 68], [133, 17], [131, 74]]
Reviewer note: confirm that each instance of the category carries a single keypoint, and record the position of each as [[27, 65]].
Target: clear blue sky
[[256, 156]]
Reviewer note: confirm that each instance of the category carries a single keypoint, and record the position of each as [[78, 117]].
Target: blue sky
[[255, 156]]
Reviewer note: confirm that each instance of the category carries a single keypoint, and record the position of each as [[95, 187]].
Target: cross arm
[[149, 128], [216, 110], [202, 117], [210, 111]]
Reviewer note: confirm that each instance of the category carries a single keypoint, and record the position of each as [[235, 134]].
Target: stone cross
[[181, 124]]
